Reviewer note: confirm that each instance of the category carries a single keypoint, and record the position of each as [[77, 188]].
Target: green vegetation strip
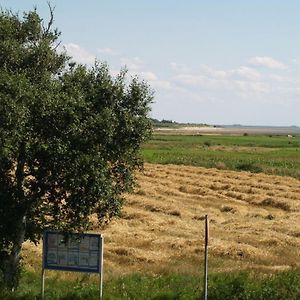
[[276, 155], [244, 286]]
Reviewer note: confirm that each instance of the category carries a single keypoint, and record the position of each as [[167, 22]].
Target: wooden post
[[206, 257]]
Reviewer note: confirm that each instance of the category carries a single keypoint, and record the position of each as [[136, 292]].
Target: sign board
[[72, 251]]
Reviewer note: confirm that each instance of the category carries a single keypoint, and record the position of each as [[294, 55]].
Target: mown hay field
[[254, 223]]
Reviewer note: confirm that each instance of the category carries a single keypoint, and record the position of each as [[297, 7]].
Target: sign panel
[[72, 251]]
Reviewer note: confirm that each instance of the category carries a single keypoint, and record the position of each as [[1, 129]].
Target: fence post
[[206, 257]]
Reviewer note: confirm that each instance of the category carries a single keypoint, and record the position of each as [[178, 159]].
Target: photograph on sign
[[52, 241], [93, 260], [94, 243], [62, 258], [84, 244], [61, 241], [52, 256], [73, 258], [84, 258], [73, 244]]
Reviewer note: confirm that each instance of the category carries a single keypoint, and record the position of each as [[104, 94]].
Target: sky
[[213, 61]]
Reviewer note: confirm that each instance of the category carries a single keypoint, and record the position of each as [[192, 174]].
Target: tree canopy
[[69, 136]]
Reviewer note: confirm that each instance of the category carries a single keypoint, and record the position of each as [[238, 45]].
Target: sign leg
[[43, 284], [101, 268]]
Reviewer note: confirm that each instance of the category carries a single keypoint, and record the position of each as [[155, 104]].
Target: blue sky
[[215, 62]]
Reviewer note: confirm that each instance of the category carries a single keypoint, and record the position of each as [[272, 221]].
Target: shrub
[[248, 166]]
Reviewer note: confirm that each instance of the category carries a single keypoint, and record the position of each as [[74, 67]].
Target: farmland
[[253, 221], [276, 155], [157, 242]]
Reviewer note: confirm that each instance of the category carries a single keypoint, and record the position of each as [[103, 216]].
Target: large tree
[[69, 137]]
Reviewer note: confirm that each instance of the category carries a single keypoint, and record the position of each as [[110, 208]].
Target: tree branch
[[50, 23]]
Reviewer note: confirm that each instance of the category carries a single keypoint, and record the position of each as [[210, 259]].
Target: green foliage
[[69, 136], [248, 166], [164, 124], [246, 286]]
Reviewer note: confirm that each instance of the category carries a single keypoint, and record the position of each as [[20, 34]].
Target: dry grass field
[[254, 223]]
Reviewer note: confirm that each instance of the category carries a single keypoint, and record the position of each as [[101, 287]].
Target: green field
[[276, 155], [222, 286]]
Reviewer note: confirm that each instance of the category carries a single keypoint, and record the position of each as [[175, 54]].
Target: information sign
[[66, 251], [72, 251]]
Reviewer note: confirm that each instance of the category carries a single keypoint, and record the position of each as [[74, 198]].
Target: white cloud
[[248, 73], [133, 64], [266, 61], [79, 54], [190, 79], [179, 67], [250, 87], [108, 51], [280, 78], [148, 76], [204, 70], [241, 80], [154, 81], [295, 61], [162, 84], [210, 72]]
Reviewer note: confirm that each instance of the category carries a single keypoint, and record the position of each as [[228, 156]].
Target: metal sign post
[[76, 252], [206, 257], [101, 268], [43, 272], [43, 284]]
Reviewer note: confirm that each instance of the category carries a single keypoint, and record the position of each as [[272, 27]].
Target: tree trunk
[[12, 262]]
